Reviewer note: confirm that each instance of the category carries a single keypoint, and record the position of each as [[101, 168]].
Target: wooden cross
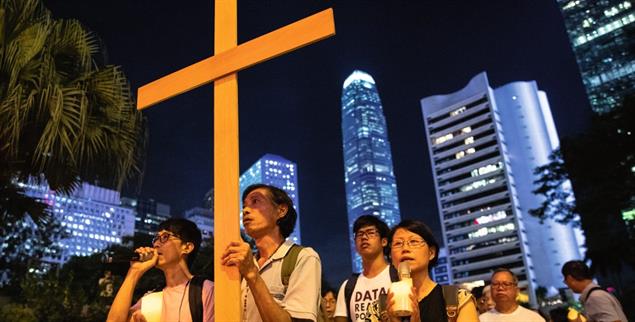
[[221, 69]]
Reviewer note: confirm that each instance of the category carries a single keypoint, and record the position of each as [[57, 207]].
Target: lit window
[[458, 111], [444, 138]]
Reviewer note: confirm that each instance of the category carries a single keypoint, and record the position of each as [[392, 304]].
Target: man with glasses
[[504, 285], [358, 296], [269, 218], [173, 251]]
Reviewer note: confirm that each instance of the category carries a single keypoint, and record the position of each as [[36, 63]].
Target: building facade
[[371, 187], [279, 172], [602, 35], [204, 219], [149, 214], [441, 273], [484, 144], [92, 216]]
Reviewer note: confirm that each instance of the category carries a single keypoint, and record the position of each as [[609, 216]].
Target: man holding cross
[[221, 69], [269, 218]]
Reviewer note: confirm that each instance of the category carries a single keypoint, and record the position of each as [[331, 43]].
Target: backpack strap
[[195, 295], [591, 291], [348, 293], [451, 298], [288, 264]]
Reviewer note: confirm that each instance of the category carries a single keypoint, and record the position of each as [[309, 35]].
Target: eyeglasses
[[163, 238], [504, 285], [412, 243], [371, 233]]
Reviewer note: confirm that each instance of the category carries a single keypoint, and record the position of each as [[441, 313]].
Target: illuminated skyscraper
[[279, 172], [484, 144], [371, 188], [602, 34], [91, 215]]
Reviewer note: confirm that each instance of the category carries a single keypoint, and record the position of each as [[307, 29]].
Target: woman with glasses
[[412, 241]]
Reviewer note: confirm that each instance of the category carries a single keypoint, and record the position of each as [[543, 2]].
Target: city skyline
[[291, 105]]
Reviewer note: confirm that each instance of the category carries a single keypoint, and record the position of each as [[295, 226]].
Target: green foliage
[[553, 184], [65, 117], [63, 114], [17, 313], [52, 299], [599, 164]]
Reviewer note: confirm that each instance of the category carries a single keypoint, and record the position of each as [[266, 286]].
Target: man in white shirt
[[371, 240], [269, 218], [504, 292]]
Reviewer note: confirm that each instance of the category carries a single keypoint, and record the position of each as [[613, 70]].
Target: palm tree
[[65, 116]]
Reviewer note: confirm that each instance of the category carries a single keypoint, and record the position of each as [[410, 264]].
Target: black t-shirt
[[432, 307]]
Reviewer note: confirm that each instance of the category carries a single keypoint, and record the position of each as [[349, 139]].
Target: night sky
[[290, 106]]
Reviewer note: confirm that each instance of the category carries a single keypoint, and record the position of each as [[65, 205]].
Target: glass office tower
[[371, 188], [149, 214], [484, 144], [602, 35], [279, 172], [92, 216]]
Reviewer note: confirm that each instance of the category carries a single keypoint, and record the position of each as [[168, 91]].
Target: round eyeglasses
[[163, 237]]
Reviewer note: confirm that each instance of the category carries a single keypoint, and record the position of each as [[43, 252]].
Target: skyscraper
[[371, 188], [149, 214], [91, 215], [602, 35], [484, 145], [279, 172], [204, 220]]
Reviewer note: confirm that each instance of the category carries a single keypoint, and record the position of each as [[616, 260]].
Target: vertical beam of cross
[[226, 163]]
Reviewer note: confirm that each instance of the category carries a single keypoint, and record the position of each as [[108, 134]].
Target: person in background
[[504, 284], [485, 303], [364, 289], [328, 305], [599, 304]]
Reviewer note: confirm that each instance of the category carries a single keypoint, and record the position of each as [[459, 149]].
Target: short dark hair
[[370, 220], [421, 229], [278, 197], [558, 314], [328, 289], [504, 270], [187, 231], [478, 292], [577, 269]]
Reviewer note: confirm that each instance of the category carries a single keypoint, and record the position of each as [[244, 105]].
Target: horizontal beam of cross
[[271, 45]]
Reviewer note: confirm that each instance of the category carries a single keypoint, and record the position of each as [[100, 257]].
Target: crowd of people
[[281, 281]]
